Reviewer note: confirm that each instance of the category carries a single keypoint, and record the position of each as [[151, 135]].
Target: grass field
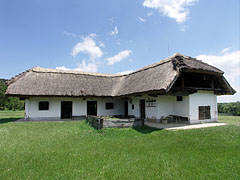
[[74, 150]]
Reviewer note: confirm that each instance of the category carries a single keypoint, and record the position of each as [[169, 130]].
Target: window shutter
[[207, 112], [201, 112]]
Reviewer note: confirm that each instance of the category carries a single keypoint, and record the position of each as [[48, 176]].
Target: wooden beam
[[153, 95]]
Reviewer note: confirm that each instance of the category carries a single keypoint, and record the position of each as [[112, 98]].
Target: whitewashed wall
[[165, 105], [79, 107], [168, 105], [181, 108], [135, 112], [101, 111], [202, 98]]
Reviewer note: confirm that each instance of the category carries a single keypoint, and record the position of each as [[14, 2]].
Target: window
[[132, 106], [109, 105], [43, 105], [204, 112], [179, 98], [151, 103]]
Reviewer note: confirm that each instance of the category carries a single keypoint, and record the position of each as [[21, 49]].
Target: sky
[[110, 36]]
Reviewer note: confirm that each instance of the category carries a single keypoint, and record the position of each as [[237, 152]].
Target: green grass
[[74, 150], [10, 116]]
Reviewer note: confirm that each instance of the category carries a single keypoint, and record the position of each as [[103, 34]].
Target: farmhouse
[[178, 86]]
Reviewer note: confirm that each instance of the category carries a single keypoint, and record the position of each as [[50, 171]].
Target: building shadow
[[145, 129], [7, 120]]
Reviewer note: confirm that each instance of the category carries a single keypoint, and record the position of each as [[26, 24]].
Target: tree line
[[9, 103], [232, 108]]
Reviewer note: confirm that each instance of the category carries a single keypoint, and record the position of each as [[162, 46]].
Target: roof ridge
[[61, 71]]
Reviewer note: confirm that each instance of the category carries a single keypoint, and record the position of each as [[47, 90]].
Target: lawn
[[74, 150]]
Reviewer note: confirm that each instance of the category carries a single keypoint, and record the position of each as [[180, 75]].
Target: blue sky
[[118, 36]]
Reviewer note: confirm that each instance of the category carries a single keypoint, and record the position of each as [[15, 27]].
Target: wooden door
[[126, 108], [92, 108], [66, 109], [142, 109]]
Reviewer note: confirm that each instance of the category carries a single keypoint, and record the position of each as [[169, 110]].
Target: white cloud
[[90, 67], [142, 19], [229, 62], [62, 68], [150, 13], [118, 57], [87, 46], [225, 50], [175, 9], [125, 72], [115, 31]]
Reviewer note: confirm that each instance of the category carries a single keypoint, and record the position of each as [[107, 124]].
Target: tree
[[11, 103], [14, 103], [3, 88], [229, 108]]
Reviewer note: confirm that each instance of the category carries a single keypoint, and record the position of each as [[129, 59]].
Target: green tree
[[14, 103], [11, 103], [3, 99]]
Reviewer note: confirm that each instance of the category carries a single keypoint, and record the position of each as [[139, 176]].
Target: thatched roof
[[156, 77]]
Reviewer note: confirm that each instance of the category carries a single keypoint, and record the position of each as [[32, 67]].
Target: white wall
[[168, 105], [117, 110], [202, 98], [165, 105], [181, 108], [134, 112], [79, 107], [151, 112], [34, 112]]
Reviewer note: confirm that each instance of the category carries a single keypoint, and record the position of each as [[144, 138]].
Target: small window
[[43, 105], [109, 105], [151, 103], [132, 106], [204, 112], [179, 98]]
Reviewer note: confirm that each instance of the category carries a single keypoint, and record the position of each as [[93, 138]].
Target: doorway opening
[[142, 108], [126, 108], [92, 108], [66, 109]]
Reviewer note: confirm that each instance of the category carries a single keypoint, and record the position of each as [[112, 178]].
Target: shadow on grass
[[145, 129], [7, 120]]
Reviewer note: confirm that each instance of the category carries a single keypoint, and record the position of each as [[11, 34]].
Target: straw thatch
[[159, 77]]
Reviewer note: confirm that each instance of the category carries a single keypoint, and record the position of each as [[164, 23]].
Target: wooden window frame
[[43, 106], [151, 102], [179, 98], [204, 112], [109, 105]]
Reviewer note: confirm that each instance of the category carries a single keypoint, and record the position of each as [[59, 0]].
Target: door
[[142, 109], [126, 108], [66, 109], [92, 108]]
